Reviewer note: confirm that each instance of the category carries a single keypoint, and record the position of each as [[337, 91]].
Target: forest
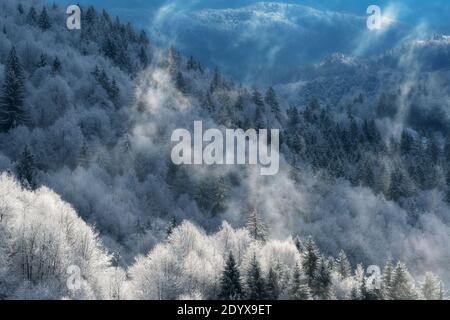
[[86, 118]]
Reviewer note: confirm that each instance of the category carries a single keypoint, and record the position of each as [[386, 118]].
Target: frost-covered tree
[[256, 226], [322, 280], [44, 20], [12, 111], [32, 18], [402, 286], [26, 170], [310, 261], [299, 289], [255, 283], [272, 285], [431, 287], [230, 283], [343, 266]]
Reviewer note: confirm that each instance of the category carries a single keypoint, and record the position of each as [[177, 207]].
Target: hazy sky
[[435, 12]]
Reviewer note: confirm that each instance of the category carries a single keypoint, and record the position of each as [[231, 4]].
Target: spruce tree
[[12, 113], [343, 265], [298, 289], [256, 287], [310, 261], [143, 58], [20, 9], [273, 287], [44, 20], [431, 287], [386, 284], [172, 225], [56, 66], [402, 287], [230, 283], [256, 226], [322, 280], [401, 185], [272, 101], [32, 16], [26, 170], [180, 83], [257, 98]]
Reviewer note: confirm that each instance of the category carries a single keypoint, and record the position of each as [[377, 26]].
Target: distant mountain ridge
[[270, 39]]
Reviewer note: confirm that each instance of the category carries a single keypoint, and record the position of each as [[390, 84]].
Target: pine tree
[[256, 287], [239, 105], [143, 58], [386, 284], [20, 9], [272, 101], [114, 92], [42, 61], [191, 64], [216, 81], [298, 289], [230, 283], [256, 226], [257, 98], [12, 113], [401, 185], [299, 245], [431, 287], [56, 66], [180, 83], [172, 225], [310, 261], [44, 20], [273, 287], [343, 265], [32, 16], [402, 287], [26, 170], [322, 280], [83, 158]]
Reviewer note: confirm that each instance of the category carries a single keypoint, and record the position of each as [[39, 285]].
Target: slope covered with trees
[[86, 117]]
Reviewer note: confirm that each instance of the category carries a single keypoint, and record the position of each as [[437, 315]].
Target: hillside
[[86, 118]]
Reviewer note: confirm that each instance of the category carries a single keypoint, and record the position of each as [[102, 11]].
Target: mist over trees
[[85, 123]]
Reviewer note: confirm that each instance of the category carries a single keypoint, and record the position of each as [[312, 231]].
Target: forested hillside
[[87, 179]]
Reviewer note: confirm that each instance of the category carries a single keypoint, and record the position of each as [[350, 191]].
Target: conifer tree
[[32, 16], [431, 287], [12, 113], [257, 98], [401, 185], [20, 9], [256, 226], [343, 265], [216, 80], [230, 283], [386, 280], [180, 83], [143, 58], [272, 101], [44, 20], [299, 289], [310, 261], [171, 227], [322, 280], [256, 286], [56, 66], [273, 287], [26, 170], [402, 287]]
